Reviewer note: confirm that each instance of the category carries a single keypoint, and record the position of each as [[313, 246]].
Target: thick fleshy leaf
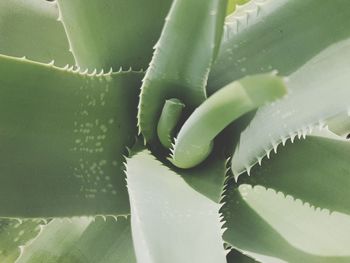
[[30, 28], [272, 228], [265, 35], [181, 60], [14, 234], [62, 138], [315, 170], [82, 240], [113, 33], [170, 221], [218, 111], [318, 90]]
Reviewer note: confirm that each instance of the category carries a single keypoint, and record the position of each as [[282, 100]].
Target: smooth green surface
[[170, 222], [82, 240], [194, 141], [277, 35], [108, 34], [168, 120], [15, 233], [315, 170], [30, 28], [62, 139], [274, 229], [181, 60], [319, 90]]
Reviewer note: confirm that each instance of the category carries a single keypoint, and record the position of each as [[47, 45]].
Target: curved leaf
[[113, 33], [14, 234], [272, 228], [318, 91], [30, 28], [181, 60], [82, 240], [62, 137], [265, 35], [315, 170], [170, 221]]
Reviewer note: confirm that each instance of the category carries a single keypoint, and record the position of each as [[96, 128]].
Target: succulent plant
[[174, 131]]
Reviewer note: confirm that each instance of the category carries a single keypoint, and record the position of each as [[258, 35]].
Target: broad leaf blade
[[30, 28], [318, 91], [182, 59], [14, 234], [113, 33], [277, 34], [315, 170], [170, 221], [272, 228], [82, 240], [62, 139]]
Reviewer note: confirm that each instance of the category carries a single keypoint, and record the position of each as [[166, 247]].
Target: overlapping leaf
[[113, 33], [82, 240], [16, 233], [271, 228], [62, 139], [182, 59], [30, 28], [170, 221], [315, 170]]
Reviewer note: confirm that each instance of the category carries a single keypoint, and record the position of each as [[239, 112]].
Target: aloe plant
[[174, 131]]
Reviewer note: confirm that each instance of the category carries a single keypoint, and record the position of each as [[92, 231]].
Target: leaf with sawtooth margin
[[170, 221], [82, 240], [62, 138], [108, 34], [30, 28], [275, 229]]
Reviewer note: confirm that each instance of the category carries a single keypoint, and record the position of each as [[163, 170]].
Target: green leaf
[[30, 28], [315, 170], [113, 33], [62, 137], [14, 234], [181, 60], [318, 90], [272, 228], [170, 221], [82, 240], [277, 34], [218, 111]]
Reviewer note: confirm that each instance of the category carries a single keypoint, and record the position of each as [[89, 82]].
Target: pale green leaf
[[264, 35], [273, 228], [218, 111], [315, 170], [62, 137], [30, 28], [82, 240], [318, 90], [14, 234], [170, 221], [181, 60], [113, 33]]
